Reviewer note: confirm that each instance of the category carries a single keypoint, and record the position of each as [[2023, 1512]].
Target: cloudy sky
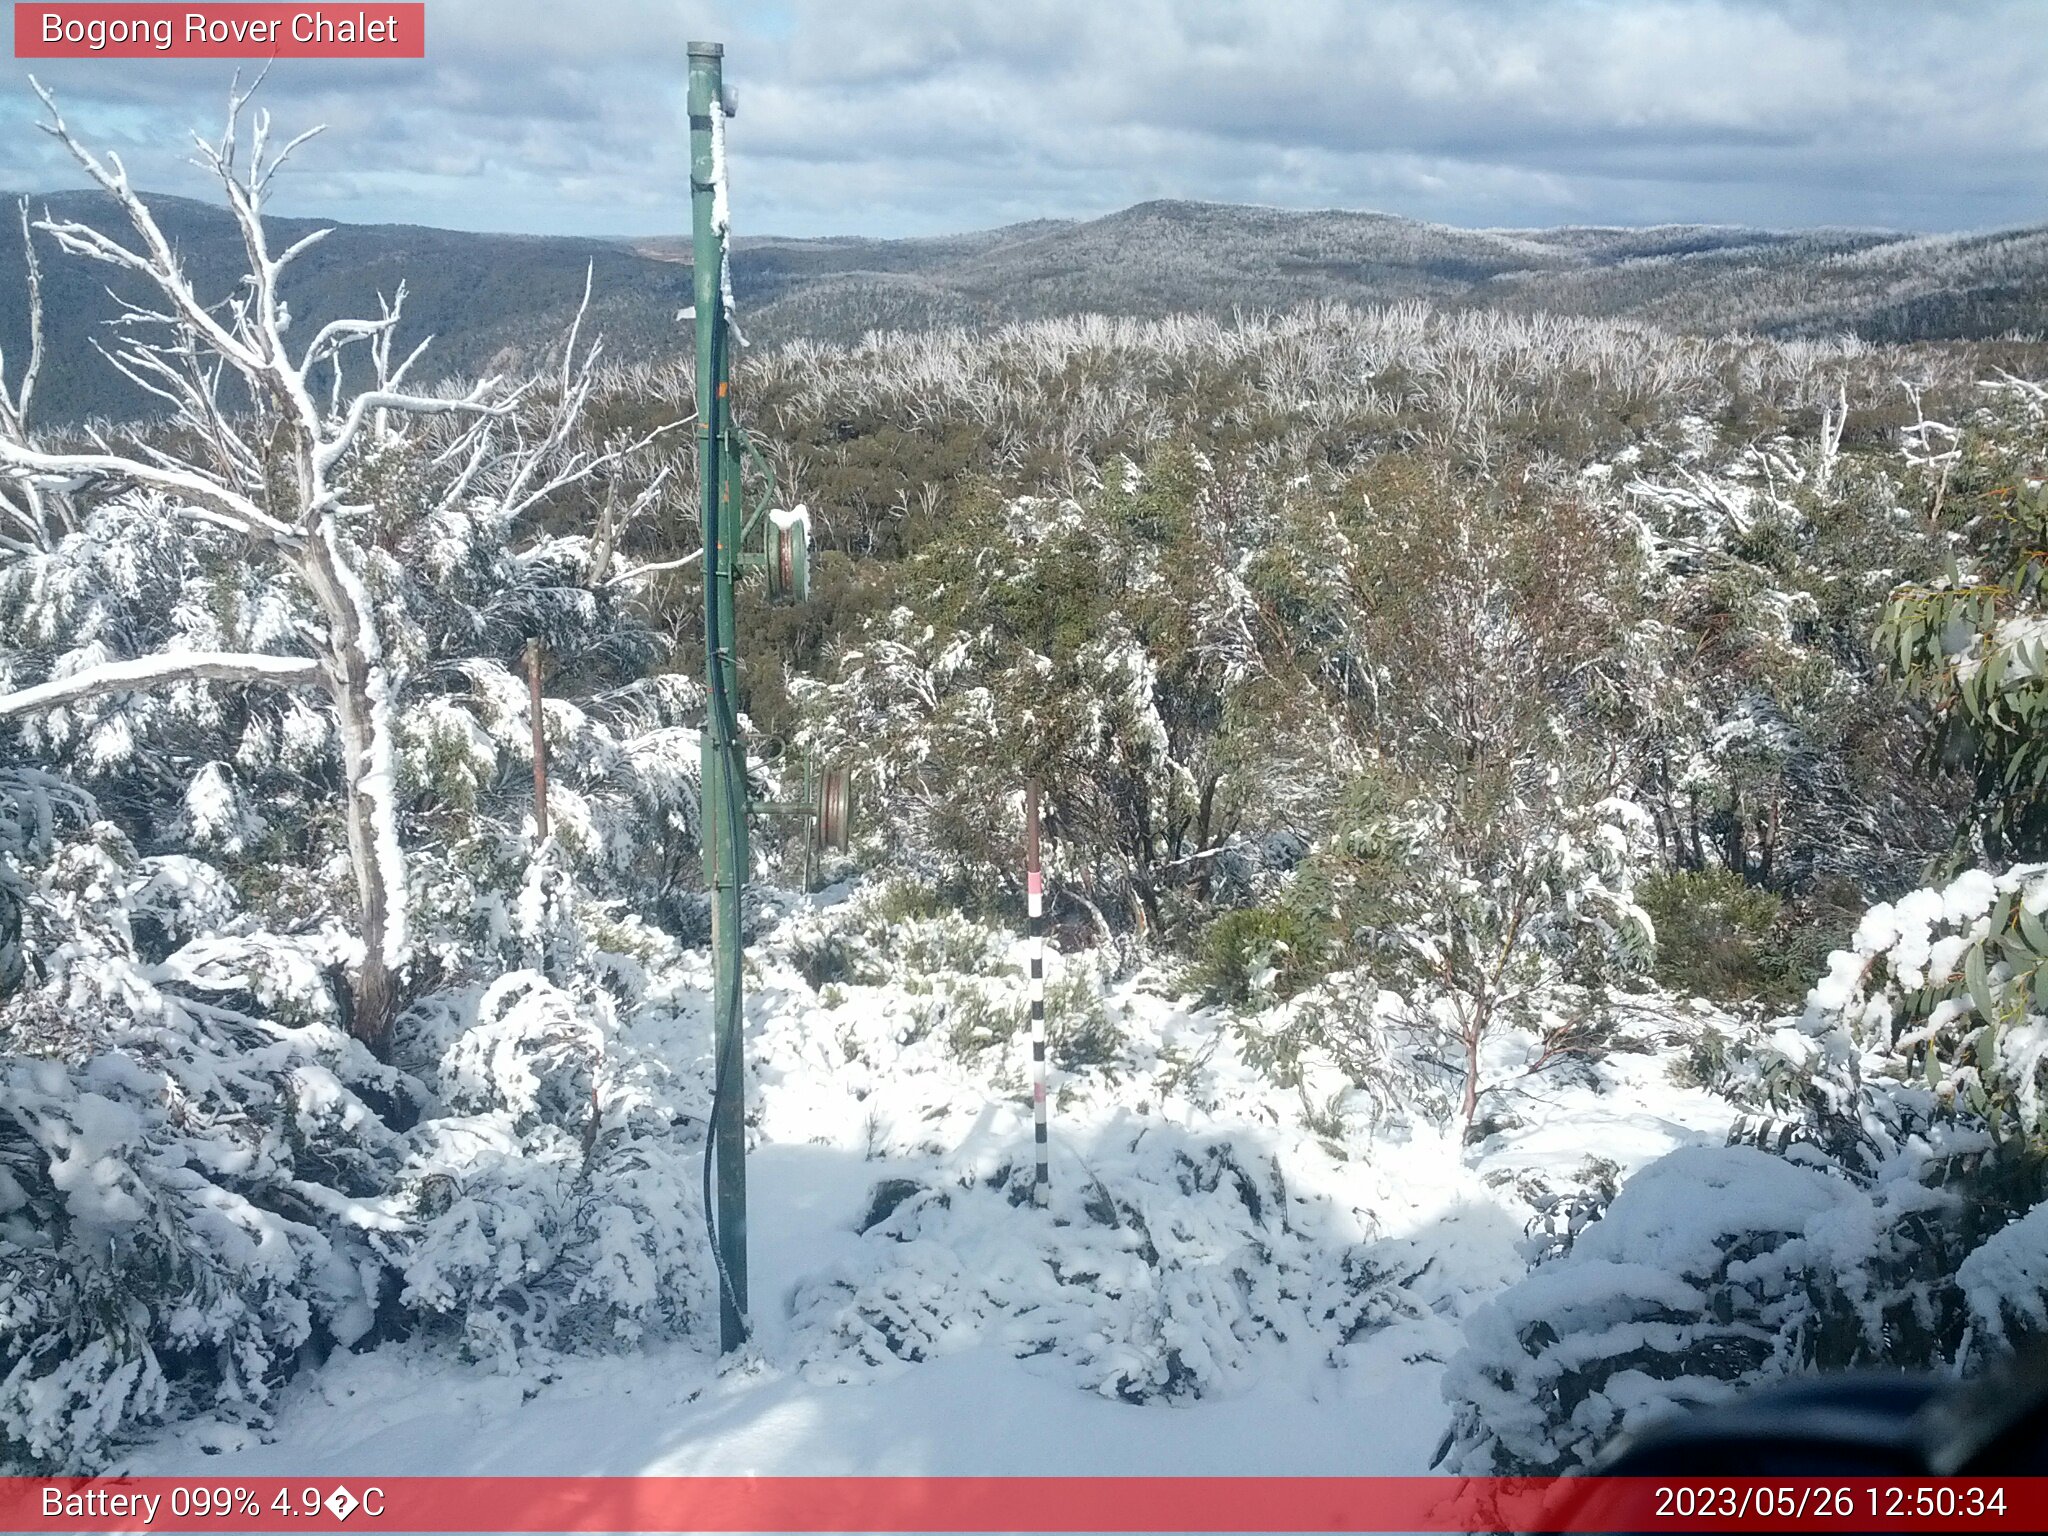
[[896, 117]]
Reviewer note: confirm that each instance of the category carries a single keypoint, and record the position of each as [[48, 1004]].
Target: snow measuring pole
[[723, 780], [1034, 901]]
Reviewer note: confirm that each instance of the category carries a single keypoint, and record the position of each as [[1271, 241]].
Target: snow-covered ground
[[1214, 1288]]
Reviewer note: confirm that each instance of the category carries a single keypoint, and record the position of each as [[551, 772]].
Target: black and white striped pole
[[1034, 898]]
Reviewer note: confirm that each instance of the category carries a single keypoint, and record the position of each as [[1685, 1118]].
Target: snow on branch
[[639, 572], [153, 671], [250, 338]]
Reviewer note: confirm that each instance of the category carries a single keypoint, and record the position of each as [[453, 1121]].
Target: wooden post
[[540, 744]]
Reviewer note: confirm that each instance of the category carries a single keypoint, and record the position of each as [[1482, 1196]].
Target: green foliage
[[899, 933], [1105, 648], [1259, 955], [1715, 935], [1974, 1024], [1079, 1032], [1703, 1062], [1972, 648]]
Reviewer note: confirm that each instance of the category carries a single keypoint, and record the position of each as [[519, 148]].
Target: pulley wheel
[[789, 562], [835, 808]]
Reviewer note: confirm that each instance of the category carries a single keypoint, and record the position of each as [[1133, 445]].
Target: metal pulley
[[832, 809], [788, 556]]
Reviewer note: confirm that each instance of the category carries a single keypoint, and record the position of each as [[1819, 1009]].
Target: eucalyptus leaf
[[1987, 1049], [1979, 983], [2033, 930]]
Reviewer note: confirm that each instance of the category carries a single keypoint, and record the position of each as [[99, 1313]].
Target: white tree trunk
[[360, 687]]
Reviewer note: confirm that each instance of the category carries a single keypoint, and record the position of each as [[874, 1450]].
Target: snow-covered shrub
[[1950, 987], [202, 1175], [554, 1206], [1152, 1280], [1259, 955], [2005, 1284], [1972, 645], [1888, 1212], [177, 947], [1712, 1269], [1121, 627], [1349, 1025], [975, 1015], [184, 1180], [961, 979], [1483, 934], [1563, 1206], [877, 938], [137, 1283], [33, 807]]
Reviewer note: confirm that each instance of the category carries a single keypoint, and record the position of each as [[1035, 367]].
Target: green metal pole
[[731, 525], [722, 777], [732, 522]]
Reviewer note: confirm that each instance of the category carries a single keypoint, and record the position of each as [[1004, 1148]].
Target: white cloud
[[899, 116]]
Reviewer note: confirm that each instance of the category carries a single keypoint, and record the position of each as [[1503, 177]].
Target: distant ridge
[[1161, 257], [496, 301]]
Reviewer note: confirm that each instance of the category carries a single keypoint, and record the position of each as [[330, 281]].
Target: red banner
[[112, 31], [979, 1504]]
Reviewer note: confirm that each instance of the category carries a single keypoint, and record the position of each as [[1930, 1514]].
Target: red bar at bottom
[[987, 1504]]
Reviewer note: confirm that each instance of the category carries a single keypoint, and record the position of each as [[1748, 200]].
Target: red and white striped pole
[[1034, 896]]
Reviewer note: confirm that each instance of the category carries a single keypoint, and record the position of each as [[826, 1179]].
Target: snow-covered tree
[[1489, 929], [265, 440]]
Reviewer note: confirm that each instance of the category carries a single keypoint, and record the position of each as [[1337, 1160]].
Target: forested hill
[[1163, 258], [489, 300]]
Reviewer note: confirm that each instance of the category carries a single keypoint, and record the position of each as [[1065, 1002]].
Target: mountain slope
[[493, 301], [490, 302], [1163, 257]]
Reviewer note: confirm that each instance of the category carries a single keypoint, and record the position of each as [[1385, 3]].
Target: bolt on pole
[[722, 782]]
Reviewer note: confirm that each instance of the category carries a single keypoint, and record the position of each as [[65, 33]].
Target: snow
[[1213, 1288], [144, 671], [1259, 1254], [1680, 1212], [2006, 1279], [404, 1412], [721, 209]]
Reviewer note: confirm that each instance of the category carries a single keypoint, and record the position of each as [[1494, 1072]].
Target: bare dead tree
[[33, 515]]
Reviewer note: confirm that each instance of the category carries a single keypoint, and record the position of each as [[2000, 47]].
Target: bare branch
[[477, 401], [304, 243], [18, 461], [32, 512], [17, 408], [638, 571], [336, 334], [160, 266], [575, 326]]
